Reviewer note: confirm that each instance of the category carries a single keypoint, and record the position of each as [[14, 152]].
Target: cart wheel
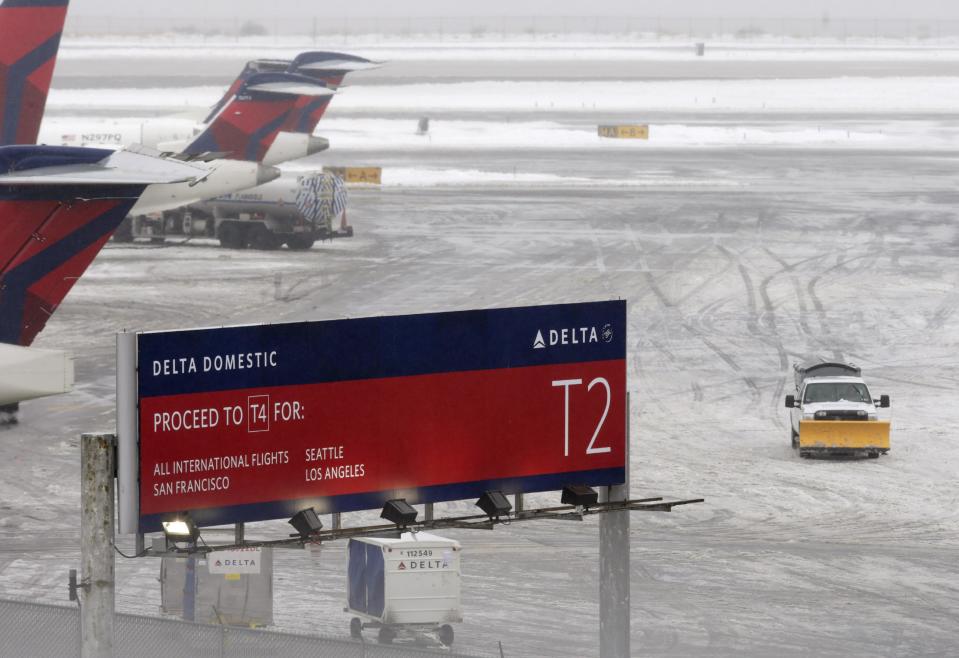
[[356, 628], [446, 635], [387, 635]]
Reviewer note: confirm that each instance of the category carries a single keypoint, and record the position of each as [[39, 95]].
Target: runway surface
[[735, 263]]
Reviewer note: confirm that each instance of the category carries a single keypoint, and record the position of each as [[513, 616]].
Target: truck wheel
[[446, 635], [300, 242], [387, 635], [356, 628], [794, 438], [261, 237], [230, 236], [8, 413], [124, 232], [873, 454]]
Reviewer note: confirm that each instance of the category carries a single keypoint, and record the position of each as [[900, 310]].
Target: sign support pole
[[614, 577], [97, 544], [128, 473], [614, 604]]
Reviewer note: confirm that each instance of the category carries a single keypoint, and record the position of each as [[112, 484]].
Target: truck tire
[[300, 242], [231, 236], [794, 438], [387, 635], [445, 635], [8, 413], [261, 237], [124, 232], [356, 628]]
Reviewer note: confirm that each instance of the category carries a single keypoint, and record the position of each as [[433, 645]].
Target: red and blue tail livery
[[58, 206], [327, 67], [247, 125], [30, 33], [330, 68], [252, 68]]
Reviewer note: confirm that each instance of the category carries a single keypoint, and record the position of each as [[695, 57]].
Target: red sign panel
[[430, 423]]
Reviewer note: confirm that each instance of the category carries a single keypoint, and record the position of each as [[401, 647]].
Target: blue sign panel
[[257, 422]]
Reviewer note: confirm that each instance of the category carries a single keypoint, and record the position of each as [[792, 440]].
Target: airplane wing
[[58, 207], [125, 167]]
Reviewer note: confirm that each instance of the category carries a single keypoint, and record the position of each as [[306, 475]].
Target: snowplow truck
[[292, 210], [833, 413]]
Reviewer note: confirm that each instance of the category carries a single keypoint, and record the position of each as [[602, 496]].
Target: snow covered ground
[[857, 95], [735, 263]]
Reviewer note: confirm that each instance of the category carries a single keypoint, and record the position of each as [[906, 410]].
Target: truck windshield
[[836, 391]]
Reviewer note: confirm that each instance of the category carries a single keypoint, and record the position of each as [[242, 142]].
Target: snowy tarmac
[[735, 262]]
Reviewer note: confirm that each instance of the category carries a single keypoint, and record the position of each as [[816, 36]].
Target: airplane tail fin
[[330, 67], [252, 68], [247, 125], [59, 207], [306, 114], [30, 33]]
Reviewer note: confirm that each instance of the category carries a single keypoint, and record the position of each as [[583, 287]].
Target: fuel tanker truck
[[292, 210], [833, 413]]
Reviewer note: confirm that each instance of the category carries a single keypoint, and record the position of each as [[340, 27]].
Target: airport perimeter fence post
[[96, 545], [614, 599]]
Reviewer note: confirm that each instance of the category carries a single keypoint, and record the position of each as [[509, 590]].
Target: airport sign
[[249, 423]]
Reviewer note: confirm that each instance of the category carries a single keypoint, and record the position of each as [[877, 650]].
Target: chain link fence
[[38, 629]]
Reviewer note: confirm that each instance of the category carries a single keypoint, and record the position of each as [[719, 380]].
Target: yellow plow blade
[[844, 434]]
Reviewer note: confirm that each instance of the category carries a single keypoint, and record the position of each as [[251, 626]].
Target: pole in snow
[[614, 605], [614, 577], [96, 544]]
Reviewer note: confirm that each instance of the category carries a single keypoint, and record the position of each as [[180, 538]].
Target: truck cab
[[833, 412]]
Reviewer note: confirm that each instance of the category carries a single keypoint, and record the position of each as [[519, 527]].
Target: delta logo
[[571, 336], [236, 563]]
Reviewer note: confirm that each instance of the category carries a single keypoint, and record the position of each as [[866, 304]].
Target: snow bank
[[853, 94]]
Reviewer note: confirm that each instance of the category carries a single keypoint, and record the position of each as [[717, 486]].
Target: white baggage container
[[406, 584]]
